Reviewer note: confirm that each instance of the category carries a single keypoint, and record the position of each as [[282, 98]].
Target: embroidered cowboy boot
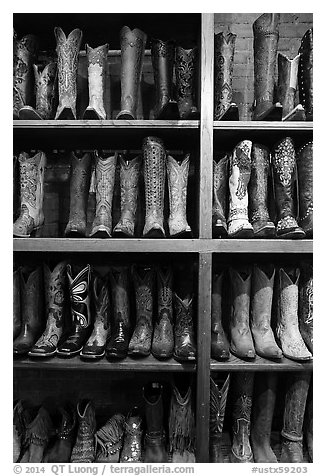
[[109, 439], [306, 73], [287, 87], [219, 342], [133, 44], [297, 386], [132, 438], [262, 416], [287, 329], [185, 75], [239, 176], [155, 451], [104, 187], [309, 422], [258, 192], [129, 185], [16, 302], [163, 337], [218, 397], [18, 430], [224, 108], [31, 216], [306, 304], [61, 450], [305, 184], [84, 449], [177, 182], [220, 190], [67, 50], [96, 68], [38, 433], [283, 162], [15, 188], [80, 178], [184, 333], [54, 281], [79, 283]]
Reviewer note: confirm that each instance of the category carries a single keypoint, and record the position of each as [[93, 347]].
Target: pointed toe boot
[[61, 450], [38, 433], [155, 440], [305, 310], [305, 185], [109, 440], [16, 302], [184, 331], [306, 73], [287, 87], [84, 449], [132, 438], [220, 189], [96, 70], [163, 336], [177, 173], [218, 398], [185, 74], [219, 343]]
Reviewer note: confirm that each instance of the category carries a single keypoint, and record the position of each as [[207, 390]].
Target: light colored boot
[[96, 59], [287, 87], [177, 181]]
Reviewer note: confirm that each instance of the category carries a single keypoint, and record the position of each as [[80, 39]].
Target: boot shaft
[[96, 66], [288, 295], [220, 188], [305, 183], [104, 182], [46, 89], [32, 182], [152, 395], [262, 294], [223, 71], [217, 281], [240, 295], [55, 284], [79, 296], [184, 323], [295, 402], [120, 294], [306, 73], [258, 185], [129, 183], [242, 392], [218, 398], [177, 182], [263, 406], [16, 302], [143, 282], [181, 422], [239, 176], [185, 74], [287, 82], [31, 292], [164, 294], [101, 301], [163, 55], [305, 310]]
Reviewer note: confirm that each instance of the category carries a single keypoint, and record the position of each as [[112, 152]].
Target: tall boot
[[132, 439], [262, 416], [287, 87], [31, 216], [224, 108], [239, 176], [84, 449], [155, 451], [96, 67], [261, 310], [266, 35], [309, 422], [220, 189], [79, 291], [306, 73], [133, 44], [283, 162], [163, 337], [297, 386], [16, 302], [15, 188], [185, 74], [80, 178], [46, 345], [104, 187], [67, 50], [287, 329], [219, 343], [177, 182], [217, 406], [163, 55], [38, 433], [108, 440], [18, 430], [154, 157], [258, 192], [61, 450], [184, 332], [140, 343], [241, 339], [305, 184], [306, 304], [129, 185]]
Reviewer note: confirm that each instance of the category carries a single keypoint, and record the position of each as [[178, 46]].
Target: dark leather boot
[[224, 108], [54, 281], [308, 424], [140, 343], [262, 416], [177, 173], [217, 405], [84, 449], [306, 304], [117, 345], [79, 283], [219, 343], [132, 439], [163, 337], [109, 439], [80, 179], [242, 390], [306, 73], [241, 339], [287, 87], [220, 190], [67, 50], [283, 162], [185, 74], [16, 302], [96, 70], [184, 332], [32, 321], [18, 430], [305, 184], [38, 433], [297, 386], [258, 192], [61, 450], [163, 54], [155, 451]]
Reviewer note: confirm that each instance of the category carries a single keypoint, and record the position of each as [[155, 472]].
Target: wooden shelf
[[263, 126], [259, 246], [105, 124], [234, 364]]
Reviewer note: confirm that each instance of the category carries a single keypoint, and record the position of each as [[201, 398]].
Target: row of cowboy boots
[[251, 294], [243, 178], [253, 402]]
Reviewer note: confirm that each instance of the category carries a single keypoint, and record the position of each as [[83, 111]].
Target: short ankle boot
[[305, 185], [218, 398], [306, 73], [109, 440], [154, 443], [177, 173], [16, 302], [305, 310], [132, 438], [219, 343], [185, 74], [220, 190], [61, 450], [163, 336], [38, 433], [184, 331], [96, 70], [84, 449], [287, 87]]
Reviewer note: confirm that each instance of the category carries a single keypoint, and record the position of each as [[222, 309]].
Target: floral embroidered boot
[[185, 73], [177, 173], [96, 68]]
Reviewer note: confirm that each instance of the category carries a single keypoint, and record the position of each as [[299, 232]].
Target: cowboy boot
[[15, 188], [242, 390], [104, 179], [241, 339], [129, 185], [266, 35], [154, 157], [239, 176], [25, 54], [61, 451], [217, 406], [132, 438], [309, 422], [185, 75], [260, 311], [220, 186], [297, 386], [177, 182], [38, 433], [163, 54], [67, 50], [80, 177], [45, 92], [26, 416], [46, 346], [84, 449], [287, 87], [258, 192], [184, 333], [305, 183], [18, 430], [80, 312], [224, 108], [31, 216], [306, 305], [16, 302], [133, 44], [306, 73], [154, 442], [283, 162], [287, 329], [163, 337], [262, 416], [108, 440], [219, 343], [117, 345], [96, 66]]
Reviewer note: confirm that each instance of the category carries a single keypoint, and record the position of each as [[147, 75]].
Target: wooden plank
[[234, 364], [263, 126], [259, 246], [106, 124]]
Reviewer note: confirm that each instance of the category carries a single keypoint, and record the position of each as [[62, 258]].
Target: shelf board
[[259, 246], [263, 126], [105, 124], [234, 364]]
